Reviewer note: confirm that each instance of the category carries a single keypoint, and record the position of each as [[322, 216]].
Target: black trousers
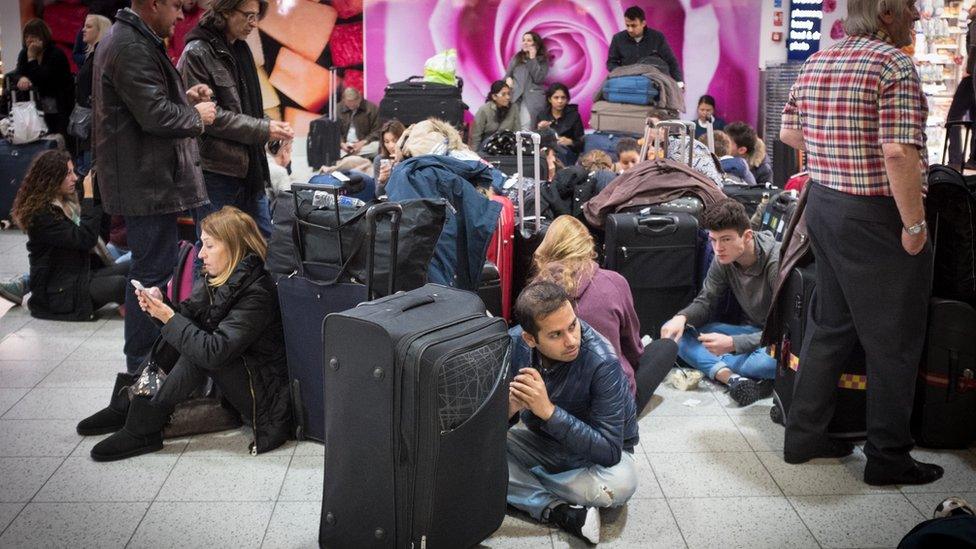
[[963, 103], [869, 290], [108, 285], [186, 377]]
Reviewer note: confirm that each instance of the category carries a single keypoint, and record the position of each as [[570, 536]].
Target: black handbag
[[335, 239], [80, 122]]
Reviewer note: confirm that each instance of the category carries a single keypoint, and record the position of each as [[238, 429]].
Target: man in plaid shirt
[[857, 109]]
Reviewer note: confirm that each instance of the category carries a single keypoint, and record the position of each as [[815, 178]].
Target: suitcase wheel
[[776, 414]]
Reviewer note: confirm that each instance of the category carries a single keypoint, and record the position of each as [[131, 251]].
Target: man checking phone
[[746, 263], [576, 453]]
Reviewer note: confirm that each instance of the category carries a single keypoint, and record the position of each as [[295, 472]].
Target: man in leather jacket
[[144, 131], [577, 452]]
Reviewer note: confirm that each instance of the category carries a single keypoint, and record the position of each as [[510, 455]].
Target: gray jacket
[[486, 124], [224, 144], [527, 79], [752, 288], [143, 130]]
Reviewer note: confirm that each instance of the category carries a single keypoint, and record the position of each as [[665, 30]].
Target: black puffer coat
[[238, 325]]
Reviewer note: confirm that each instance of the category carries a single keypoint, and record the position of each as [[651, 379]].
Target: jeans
[[754, 365], [224, 190], [153, 241], [541, 474]]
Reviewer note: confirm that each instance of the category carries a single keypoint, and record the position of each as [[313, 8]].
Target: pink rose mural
[[719, 51]]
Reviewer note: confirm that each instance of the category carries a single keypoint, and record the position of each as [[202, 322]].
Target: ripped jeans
[[541, 474]]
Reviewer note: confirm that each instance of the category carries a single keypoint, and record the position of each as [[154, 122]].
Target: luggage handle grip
[[414, 301], [658, 224]]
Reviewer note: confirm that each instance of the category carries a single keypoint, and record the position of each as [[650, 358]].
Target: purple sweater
[[605, 303]]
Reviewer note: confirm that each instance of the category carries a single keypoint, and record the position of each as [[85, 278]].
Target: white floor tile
[[719, 474], [114, 326], [24, 373], [762, 434], [59, 403], [9, 397], [7, 513], [17, 347], [691, 434], [81, 479], [879, 520], [926, 503], [647, 485], [85, 374], [232, 443], [517, 531], [310, 448], [99, 348], [225, 479], [20, 478], [960, 474], [668, 401], [642, 523], [37, 437], [55, 328], [203, 525], [304, 479], [295, 525], [12, 318], [821, 477], [746, 523], [94, 525]]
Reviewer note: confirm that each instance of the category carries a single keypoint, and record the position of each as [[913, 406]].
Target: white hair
[[862, 15]]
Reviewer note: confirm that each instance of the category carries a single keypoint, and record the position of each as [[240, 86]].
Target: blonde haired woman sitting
[[229, 330], [567, 256]]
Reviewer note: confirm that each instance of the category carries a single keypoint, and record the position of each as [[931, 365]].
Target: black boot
[[142, 434], [112, 418]]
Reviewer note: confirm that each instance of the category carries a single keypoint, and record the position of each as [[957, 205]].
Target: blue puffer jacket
[[432, 176], [595, 417]]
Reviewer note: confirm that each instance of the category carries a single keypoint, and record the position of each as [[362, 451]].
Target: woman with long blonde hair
[[95, 28], [228, 330], [567, 256]]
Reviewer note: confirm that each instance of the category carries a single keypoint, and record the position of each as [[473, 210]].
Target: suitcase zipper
[[254, 409]]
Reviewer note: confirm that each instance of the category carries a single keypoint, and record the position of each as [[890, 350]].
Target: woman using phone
[[62, 233], [228, 330], [525, 75]]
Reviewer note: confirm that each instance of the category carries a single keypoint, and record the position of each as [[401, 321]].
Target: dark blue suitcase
[[635, 90], [305, 300], [14, 161], [603, 141]]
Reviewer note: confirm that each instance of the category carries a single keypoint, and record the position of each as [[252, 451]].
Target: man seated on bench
[[746, 263], [577, 452]]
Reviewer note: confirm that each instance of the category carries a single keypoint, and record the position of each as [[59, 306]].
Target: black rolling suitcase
[[14, 161], [849, 414], [305, 300], [324, 135], [414, 100], [415, 453], [945, 397], [751, 196], [778, 212], [508, 165], [490, 290], [531, 229]]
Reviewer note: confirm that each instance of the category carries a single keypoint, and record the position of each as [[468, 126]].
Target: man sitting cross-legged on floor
[[746, 262], [577, 453]]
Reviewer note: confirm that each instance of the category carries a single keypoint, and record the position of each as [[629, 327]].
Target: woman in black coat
[[563, 121], [228, 330], [61, 234], [41, 66]]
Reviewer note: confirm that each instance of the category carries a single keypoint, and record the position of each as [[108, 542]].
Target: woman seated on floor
[[229, 330], [567, 256], [62, 234]]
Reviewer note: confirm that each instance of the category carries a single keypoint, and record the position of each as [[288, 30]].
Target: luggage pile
[[630, 95]]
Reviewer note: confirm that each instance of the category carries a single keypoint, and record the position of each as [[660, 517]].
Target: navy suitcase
[[415, 453], [305, 300], [414, 100], [636, 90], [14, 162]]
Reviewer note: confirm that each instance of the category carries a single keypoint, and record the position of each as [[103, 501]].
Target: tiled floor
[[712, 474]]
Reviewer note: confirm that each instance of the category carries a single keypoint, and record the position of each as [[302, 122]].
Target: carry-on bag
[[777, 212], [531, 229], [501, 253], [635, 90], [624, 118], [14, 162], [324, 135], [415, 433], [414, 100], [751, 196], [305, 300]]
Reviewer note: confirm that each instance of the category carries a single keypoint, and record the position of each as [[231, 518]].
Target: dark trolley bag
[[414, 100], [417, 391], [530, 230]]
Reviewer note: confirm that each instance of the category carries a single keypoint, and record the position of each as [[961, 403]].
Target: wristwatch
[[916, 229]]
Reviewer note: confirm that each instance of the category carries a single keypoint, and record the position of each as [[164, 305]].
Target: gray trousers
[[869, 290]]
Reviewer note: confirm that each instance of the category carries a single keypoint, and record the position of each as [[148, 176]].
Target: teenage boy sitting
[[577, 453], [732, 165], [744, 144], [628, 154], [746, 262]]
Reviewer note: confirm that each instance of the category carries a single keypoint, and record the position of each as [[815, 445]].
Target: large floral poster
[[717, 42]]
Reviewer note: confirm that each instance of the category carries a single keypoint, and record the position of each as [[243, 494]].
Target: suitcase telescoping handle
[[967, 127], [536, 141], [333, 95], [653, 135]]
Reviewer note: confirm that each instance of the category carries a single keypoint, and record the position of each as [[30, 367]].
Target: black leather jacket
[[144, 131], [207, 59], [595, 416], [238, 325]]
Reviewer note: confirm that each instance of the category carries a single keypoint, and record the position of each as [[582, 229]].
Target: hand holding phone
[[137, 285]]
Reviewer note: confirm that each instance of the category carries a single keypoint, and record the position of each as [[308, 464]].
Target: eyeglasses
[[251, 16]]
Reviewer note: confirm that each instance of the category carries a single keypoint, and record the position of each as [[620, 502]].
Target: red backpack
[[180, 285]]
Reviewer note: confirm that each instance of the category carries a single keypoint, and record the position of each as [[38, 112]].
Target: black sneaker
[[745, 391], [580, 521]]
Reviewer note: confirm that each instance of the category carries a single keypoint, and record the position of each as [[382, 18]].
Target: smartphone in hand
[[137, 285]]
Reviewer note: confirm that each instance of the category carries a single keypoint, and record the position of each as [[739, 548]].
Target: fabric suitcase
[[777, 214], [501, 252], [623, 118], [414, 100], [945, 398], [750, 196], [635, 90], [416, 428], [851, 408], [531, 229], [14, 162], [951, 217], [324, 134], [281, 259]]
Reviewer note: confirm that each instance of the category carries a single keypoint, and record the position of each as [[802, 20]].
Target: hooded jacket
[[238, 325], [595, 417]]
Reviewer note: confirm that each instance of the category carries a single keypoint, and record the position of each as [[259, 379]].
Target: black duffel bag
[[333, 242]]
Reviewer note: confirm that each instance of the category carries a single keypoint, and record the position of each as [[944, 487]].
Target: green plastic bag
[[442, 68]]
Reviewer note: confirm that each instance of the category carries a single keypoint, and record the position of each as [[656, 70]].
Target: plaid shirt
[[848, 100]]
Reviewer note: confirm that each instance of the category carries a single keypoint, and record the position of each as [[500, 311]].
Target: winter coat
[[595, 417], [486, 123], [224, 146], [52, 83], [238, 325], [59, 253], [624, 50], [527, 84], [456, 263], [366, 120], [568, 125], [144, 131]]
